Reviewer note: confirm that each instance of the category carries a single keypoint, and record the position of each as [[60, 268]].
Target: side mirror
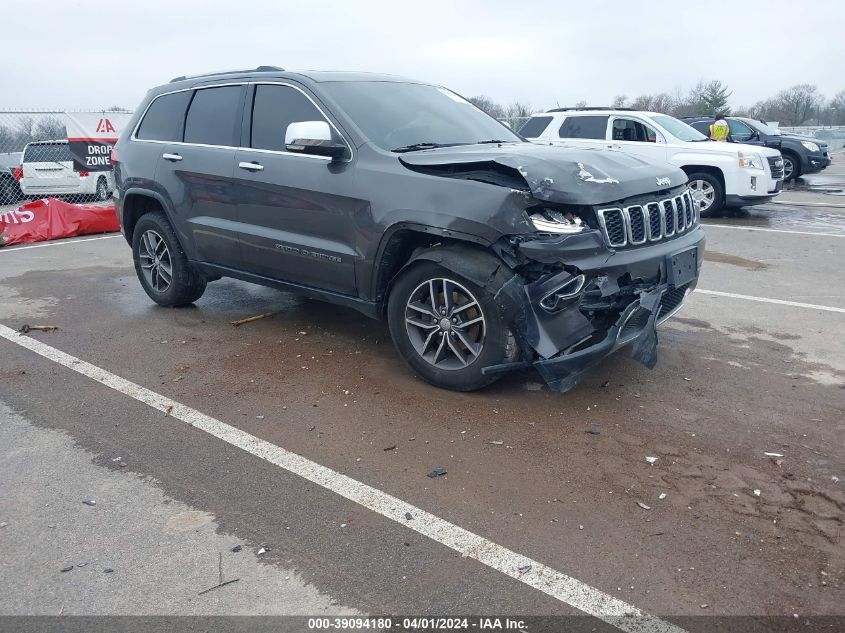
[[313, 137]]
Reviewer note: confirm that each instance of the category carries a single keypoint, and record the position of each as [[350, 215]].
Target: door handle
[[171, 157], [251, 166]]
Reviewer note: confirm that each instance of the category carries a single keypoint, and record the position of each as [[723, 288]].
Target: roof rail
[[259, 69], [588, 108]]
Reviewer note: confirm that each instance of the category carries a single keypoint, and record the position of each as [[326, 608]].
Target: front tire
[[791, 167], [707, 193], [161, 265], [447, 328]]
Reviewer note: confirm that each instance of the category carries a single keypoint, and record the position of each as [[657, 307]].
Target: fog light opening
[[568, 290]]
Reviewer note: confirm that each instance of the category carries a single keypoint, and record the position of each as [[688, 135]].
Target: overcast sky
[[96, 53]]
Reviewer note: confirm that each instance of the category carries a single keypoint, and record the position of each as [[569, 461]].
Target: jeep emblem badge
[[663, 182]]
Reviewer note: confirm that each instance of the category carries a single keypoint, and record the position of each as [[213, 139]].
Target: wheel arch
[[708, 169], [138, 202], [471, 258]]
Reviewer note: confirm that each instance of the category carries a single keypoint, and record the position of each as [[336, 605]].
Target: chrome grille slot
[[613, 223], [680, 216], [654, 224], [668, 213], [636, 219]]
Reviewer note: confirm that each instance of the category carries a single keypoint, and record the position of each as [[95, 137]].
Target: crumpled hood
[[552, 173]]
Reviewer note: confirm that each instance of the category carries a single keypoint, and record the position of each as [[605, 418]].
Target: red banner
[[51, 219]]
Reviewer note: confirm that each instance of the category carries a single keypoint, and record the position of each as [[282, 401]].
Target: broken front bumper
[[623, 297]]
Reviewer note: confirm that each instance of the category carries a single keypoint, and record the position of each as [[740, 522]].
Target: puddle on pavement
[[783, 217]]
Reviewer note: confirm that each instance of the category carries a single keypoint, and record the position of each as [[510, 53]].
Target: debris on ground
[[40, 328], [757, 492], [496, 442], [236, 549], [651, 460], [605, 384], [437, 472], [687, 379], [661, 496], [222, 584], [408, 516], [390, 448], [108, 570], [773, 454], [595, 428], [524, 569], [68, 568], [3, 524], [89, 502], [168, 409], [643, 506], [257, 317], [81, 564], [261, 551], [704, 606]]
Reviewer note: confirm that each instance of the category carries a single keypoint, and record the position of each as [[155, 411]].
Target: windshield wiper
[[492, 140], [417, 146]]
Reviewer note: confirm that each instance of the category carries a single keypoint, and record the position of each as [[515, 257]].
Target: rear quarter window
[[535, 126], [586, 126], [162, 119]]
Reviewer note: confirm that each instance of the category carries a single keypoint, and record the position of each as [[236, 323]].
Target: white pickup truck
[[720, 174]]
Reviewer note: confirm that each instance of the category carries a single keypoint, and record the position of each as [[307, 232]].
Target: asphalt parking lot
[[549, 505]]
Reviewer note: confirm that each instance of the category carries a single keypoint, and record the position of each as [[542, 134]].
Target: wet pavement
[[560, 478]]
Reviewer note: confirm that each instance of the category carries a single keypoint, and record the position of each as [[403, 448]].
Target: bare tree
[[837, 108], [519, 109], [485, 103], [619, 101], [796, 105], [48, 128]]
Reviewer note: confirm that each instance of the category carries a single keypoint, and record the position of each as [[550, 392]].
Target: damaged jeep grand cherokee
[[400, 199]]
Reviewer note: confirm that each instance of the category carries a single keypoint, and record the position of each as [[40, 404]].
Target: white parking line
[[14, 249], [556, 584], [755, 228], [794, 304]]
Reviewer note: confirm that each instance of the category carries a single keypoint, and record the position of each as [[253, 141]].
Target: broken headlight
[[554, 221]]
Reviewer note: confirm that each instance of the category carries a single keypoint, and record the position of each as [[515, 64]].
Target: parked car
[[10, 190], [402, 200], [48, 171], [801, 154], [10, 174], [720, 175]]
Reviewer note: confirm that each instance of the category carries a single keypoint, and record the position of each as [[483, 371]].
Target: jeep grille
[[650, 222]]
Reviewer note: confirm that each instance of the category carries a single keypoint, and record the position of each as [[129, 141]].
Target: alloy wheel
[[445, 324], [788, 168], [156, 264], [703, 194]]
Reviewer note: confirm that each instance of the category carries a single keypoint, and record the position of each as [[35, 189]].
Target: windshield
[[397, 116], [761, 127], [678, 129]]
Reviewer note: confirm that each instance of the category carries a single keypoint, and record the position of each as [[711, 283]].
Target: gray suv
[[400, 199]]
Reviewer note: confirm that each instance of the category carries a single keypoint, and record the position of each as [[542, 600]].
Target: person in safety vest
[[719, 129]]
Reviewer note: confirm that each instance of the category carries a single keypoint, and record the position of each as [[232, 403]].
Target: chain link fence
[[833, 135], [38, 161]]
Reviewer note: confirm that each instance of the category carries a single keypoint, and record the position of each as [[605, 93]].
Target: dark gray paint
[[321, 227]]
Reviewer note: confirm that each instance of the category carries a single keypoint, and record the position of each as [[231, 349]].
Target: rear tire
[[102, 193], [708, 193], [447, 328], [161, 265]]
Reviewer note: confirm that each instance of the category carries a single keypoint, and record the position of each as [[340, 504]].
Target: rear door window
[[535, 126], [214, 116], [274, 108], [587, 126], [164, 117]]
